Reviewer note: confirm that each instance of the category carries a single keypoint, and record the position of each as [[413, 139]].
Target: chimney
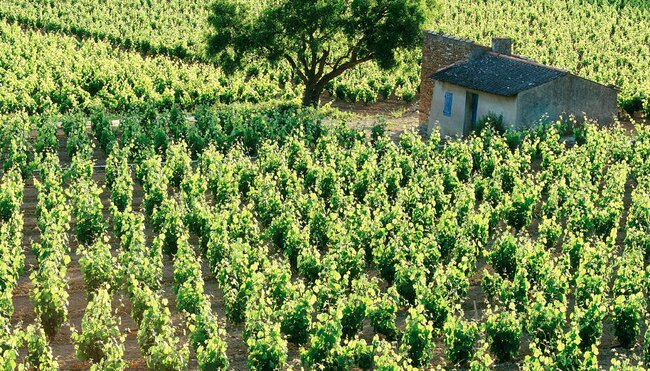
[[502, 45]]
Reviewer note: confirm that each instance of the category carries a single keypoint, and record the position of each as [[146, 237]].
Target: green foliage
[[113, 357], [295, 317], [98, 328], [646, 348], [324, 341], [436, 305], [212, 355], [628, 314], [164, 355], [356, 353], [178, 163], [11, 194], [590, 321], [46, 140], [382, 315], [417, 339], [571, 356], [279, 31], [267, 350], [386, 358], [98, 266], [545, 322], [39, 354], [460, 339], [354, 313], [155, 323], [407, 278], [504, 331], [87, 211], [504, 256], [50, 296]]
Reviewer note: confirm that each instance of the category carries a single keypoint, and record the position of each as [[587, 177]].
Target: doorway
[[471, 112]]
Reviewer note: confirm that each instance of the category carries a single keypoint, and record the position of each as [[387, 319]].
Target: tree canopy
[[319, 39]]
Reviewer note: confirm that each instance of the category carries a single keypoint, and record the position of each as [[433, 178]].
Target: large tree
[[319, 39]]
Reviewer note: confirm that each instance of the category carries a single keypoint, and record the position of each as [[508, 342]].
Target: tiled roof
[[498, 74]]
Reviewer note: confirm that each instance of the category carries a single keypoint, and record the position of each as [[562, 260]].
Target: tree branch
[[321, 64], [302, 58], [294, 67], [344, 67]]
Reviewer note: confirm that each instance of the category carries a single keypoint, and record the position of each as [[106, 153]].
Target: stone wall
[[440, 51]]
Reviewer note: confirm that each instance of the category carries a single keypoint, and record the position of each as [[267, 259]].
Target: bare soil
[[400, 116]]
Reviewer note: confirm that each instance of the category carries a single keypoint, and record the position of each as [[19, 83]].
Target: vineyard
[[123, 53], [250, 238], [158, 211]]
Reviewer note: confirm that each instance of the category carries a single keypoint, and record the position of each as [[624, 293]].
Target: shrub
[[407, 277], [267, 350], [460, 338], [164, 355], [211, 356], [309, 264], [50, 296], [178, 164], [519, 212], [122, 191], [572, 357], [354, 313], [504, 331], [189, 296], [382, 316], [323, 342], [39, 354], [168, 222], [385, 358], [236, 299], [87, 211], [203, 326], [295, 317], [550, 231], [355, 353], [98, 266], [46, 140], [142, 265], [417, 340], [590, 321], [628, 313], [503, 256], [155, 323], [545, 321], [646, 347], [98, 328], [11, 194], [436, 305], [490, 121], [113, 357]]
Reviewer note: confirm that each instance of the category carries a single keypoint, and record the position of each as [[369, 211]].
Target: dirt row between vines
[[63, 348]]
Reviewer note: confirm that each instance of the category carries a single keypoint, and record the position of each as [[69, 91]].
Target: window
[[449, 97]]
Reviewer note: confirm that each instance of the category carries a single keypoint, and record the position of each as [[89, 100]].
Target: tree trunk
[[311, 96]]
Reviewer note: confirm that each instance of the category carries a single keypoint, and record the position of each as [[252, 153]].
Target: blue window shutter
[[449, 97]]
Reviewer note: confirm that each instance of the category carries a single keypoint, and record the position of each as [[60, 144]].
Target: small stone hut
[[463, 82]]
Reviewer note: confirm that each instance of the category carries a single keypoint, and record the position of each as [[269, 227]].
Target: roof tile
[[498, 74]]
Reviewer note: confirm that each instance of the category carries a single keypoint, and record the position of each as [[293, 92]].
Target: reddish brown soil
[[399, 115]]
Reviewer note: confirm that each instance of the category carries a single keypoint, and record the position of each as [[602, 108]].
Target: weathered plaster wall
[[439, 51], [568, 95], [499, 105], [454, 125]]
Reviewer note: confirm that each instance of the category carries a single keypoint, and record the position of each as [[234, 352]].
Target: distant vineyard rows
[[608, 41]]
